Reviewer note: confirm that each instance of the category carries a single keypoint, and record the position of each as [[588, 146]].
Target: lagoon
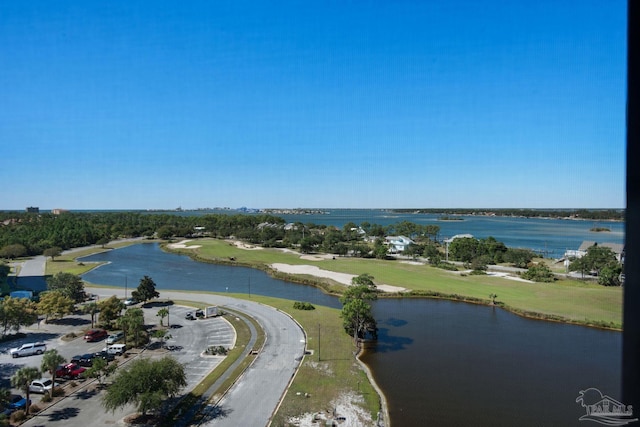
[[438, 362]]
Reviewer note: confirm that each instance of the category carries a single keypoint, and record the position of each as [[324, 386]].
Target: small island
[[450, 218], [600, 229]]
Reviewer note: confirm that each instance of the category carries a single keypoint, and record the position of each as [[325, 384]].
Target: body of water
[[549, 236], [438, 362]]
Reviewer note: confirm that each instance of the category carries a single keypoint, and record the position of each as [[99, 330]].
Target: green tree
[[102, 242], [146, 290], [51, 359], [110, 310], [518, 257], [161, 335], [15, 313], [101, 369], [132, 323], [52, 252], [610, 275], [464, 249], [145, 383], [539, 273], [92, 309], [22, 378], [356, 310], [54, 304], [69, 284], [13, 251], [597, 259], [162, 313]]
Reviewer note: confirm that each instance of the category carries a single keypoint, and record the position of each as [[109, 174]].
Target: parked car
[[114, 337], [189, 316], [95, 335], [83, 359], [199, 313], [28, 349], [17, 402], [42, 385], [70, 371], [130, 301], [104, 355]]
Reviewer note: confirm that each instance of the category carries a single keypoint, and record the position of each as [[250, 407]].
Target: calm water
[[550, 236], [438, 362]]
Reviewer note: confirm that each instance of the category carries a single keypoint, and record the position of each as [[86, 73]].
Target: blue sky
[[160, 104]]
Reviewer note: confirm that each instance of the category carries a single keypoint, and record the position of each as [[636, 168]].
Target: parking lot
[[189, 339]]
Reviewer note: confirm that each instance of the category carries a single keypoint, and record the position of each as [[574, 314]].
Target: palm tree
[[162, 313], [93, 309], [51, 359], [22, 378]]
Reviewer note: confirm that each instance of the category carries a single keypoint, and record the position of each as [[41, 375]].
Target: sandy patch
[[412, 262], [508, 276], [317, 257], [347, 413], [243, 245], [312, 270], [342, 278], [183, 245]]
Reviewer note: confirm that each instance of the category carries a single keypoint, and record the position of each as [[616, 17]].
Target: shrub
[[18, 416], [215, 350], [34, 408], [539, 273], [46, 397], [303, 306]]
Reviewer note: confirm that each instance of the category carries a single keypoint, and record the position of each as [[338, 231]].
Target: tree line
[[588, 214]]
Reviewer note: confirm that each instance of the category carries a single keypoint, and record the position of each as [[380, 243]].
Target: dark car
[[199, 313], [189, 316], [104, 355], [95, 335], [84, 359], [17, 402]]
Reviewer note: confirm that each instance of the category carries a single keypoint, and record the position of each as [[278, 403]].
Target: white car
[[28, 349], [43, 385], [115, 337], [130, 301]]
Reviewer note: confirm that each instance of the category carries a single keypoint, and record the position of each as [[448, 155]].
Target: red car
[[69, 371], [95, 335]]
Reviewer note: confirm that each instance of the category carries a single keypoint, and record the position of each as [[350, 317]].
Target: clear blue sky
[[159, 104]]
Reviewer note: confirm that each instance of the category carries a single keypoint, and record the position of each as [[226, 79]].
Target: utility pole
[[318, 342]]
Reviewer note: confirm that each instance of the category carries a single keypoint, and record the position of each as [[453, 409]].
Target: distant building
[[397, 243], [58, 211], [33, 209]]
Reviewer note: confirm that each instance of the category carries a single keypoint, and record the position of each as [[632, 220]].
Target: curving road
[[252, 400]]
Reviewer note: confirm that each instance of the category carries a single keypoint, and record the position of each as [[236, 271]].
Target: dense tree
[[54, 304], [52, 252], [539, 273], [599, 260], [51, 359], [110, 310], [15, 313], [21, 380], [13, 251], [356, 310], [146, 290], [464, 249], [145, 383], [69, 284], [518, 257], [132, 324]]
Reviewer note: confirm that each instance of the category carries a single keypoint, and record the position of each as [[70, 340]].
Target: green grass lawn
[[572, 299]]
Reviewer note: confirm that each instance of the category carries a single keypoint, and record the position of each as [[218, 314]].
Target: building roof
[[617, 248]]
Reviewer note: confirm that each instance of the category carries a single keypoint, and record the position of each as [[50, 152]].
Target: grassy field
[[574, 300]]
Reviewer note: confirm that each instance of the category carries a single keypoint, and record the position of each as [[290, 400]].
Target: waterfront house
[[617, 248], [397, 243]]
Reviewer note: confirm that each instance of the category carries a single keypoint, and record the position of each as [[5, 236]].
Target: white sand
[[348, 413], [183, 245], [342, 278]]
